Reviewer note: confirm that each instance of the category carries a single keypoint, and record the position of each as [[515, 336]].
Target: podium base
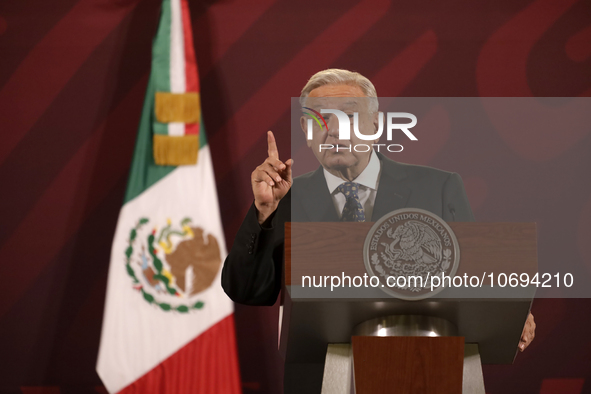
[[472, 381], [338, 370]]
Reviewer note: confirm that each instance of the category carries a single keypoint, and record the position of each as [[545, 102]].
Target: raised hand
[[270, 181]]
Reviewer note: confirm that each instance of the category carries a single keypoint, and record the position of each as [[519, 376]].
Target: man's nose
[[333, 125]]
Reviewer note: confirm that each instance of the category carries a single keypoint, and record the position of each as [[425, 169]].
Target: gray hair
[[336, 76]]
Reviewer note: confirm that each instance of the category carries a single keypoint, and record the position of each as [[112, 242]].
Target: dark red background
[[72, 80]]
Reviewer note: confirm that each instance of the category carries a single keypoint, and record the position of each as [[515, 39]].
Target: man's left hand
[[528, 334]]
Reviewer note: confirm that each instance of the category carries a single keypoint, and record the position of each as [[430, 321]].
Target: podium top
[[332, 248]]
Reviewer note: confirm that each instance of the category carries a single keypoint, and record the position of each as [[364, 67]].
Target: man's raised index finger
[[272, 150]]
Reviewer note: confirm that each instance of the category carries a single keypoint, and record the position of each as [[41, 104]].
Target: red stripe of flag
[[206, 365], [192, 82]]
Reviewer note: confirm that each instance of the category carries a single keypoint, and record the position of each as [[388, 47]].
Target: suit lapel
[[317, 200], [392, 194]]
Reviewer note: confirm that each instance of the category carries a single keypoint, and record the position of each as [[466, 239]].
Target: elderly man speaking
[[349, 185]]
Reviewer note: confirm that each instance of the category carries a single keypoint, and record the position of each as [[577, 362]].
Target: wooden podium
[[488, 319]]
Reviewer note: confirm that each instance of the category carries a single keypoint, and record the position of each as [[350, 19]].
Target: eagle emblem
[[406, 248], [418, 243], [171, 264]]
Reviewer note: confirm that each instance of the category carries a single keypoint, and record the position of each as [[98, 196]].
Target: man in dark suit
[[348, 186]]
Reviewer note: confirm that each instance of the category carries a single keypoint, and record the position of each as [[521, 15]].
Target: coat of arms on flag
[[170, 265]]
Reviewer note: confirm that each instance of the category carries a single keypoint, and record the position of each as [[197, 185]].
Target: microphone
[[452, 210]]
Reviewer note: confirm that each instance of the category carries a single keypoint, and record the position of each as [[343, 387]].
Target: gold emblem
[[406, 248]]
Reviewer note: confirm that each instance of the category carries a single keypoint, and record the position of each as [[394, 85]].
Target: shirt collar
[[368, 177]]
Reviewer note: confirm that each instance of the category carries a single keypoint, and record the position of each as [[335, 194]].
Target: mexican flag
[[168, 326]]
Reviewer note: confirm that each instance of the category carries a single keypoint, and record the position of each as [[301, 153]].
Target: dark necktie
[[353, 210]]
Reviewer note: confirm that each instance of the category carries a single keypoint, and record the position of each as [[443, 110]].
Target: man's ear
[[303, 120]]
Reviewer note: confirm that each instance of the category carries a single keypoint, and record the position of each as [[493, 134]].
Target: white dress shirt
[[368, 189]]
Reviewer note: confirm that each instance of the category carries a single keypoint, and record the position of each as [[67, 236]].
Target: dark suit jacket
[[253, 269]]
